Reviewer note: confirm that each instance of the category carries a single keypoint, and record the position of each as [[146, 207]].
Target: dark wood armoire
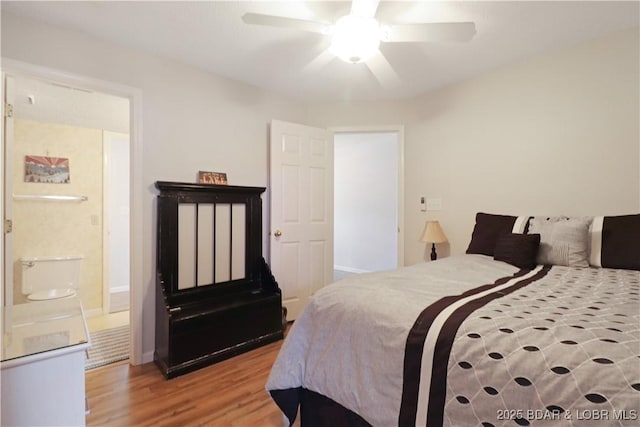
[[215, 294]]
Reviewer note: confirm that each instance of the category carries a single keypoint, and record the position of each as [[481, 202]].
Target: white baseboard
[[147, 357], [119, 301], [350, 269]]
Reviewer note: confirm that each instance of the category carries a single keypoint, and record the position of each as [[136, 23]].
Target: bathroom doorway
[[86, 213]]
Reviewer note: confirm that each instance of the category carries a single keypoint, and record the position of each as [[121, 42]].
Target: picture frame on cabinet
[[218, 178]]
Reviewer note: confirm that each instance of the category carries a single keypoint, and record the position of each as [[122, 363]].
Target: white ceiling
[[211, 35]]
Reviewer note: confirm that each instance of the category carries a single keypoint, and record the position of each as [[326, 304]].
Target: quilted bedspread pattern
[[562, 351]]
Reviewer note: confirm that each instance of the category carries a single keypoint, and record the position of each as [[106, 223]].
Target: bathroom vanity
[[42, 368]]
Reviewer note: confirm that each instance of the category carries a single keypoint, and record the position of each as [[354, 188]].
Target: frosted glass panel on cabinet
[[186, 245], [223, 243], [205, 243], [212, 243], [239, 212]]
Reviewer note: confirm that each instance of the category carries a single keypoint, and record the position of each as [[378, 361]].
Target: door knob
[[277, 233]]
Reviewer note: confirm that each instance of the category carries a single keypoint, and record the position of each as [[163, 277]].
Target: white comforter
[[353, 353]]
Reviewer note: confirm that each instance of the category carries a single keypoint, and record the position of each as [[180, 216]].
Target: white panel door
[[301, 229]]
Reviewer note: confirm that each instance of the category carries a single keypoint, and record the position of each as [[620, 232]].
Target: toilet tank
[[45, 273]]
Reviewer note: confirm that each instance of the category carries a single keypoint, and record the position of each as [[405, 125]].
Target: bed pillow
[[615, 242], [520, 250], [563, 241], [489, 227]]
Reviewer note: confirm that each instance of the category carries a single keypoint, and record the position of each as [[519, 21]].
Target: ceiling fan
[[356, 37]]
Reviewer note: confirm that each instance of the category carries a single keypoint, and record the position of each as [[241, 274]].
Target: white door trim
[[106, 222], [112, 227], [399, 129], [6, 251], [134, 95]]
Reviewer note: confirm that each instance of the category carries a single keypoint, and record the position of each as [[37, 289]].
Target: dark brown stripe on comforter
[[416, 340]]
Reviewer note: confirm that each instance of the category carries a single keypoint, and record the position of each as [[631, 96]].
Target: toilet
[[51, 277]]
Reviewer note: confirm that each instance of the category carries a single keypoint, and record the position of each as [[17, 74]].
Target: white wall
[[365, 201], [191, 119], [557, 134]]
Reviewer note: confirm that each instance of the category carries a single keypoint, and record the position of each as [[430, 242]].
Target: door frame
[[399, 130], [134, 95], [7, 92], [107, 229]]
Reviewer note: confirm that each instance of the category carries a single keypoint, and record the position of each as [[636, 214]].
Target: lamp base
[[434, 255]]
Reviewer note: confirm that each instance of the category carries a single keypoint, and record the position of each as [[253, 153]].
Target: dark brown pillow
[[520, 250], [616, 242], [486, 231]]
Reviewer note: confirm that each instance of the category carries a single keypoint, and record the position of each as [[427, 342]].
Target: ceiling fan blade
[[282, 21], [383, 71], [432, 32], [364, 8]]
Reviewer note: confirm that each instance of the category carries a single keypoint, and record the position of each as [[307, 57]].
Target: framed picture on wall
[[50, 170], [219, 178]]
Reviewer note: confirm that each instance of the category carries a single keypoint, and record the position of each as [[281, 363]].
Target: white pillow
[[563, 241]]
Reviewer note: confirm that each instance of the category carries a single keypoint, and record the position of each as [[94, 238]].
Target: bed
[[537, 324]]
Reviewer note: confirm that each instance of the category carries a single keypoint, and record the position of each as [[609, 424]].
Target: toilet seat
[[51, 294]]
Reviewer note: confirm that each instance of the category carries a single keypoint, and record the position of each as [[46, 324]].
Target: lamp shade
[[433, 233]]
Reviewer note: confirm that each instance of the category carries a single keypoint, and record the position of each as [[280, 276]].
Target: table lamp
[[433, 234]]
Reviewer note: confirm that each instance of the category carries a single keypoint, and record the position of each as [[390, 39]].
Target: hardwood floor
[[229, 393]]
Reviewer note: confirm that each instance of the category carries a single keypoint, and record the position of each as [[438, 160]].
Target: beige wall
[[554, 135], [55, 228]]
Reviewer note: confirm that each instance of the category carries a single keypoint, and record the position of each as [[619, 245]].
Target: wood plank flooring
[[229, 393]]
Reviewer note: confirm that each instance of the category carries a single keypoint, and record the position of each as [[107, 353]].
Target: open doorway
[[367, 195], [85, 214]]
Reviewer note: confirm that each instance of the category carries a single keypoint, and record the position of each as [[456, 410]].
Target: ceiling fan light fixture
[[355, 38]]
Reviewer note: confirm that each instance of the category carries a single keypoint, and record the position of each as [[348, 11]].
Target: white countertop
[[42, 329]]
